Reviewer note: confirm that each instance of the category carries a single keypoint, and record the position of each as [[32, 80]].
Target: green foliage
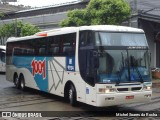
[[99, 12], [28, 29], [75, 18], [17, 29], [1, 15]]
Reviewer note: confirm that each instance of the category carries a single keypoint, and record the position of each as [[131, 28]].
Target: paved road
[[12, 99]]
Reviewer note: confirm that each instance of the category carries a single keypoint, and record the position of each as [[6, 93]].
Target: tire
[[22, 83], [16, 81], [72, 95]]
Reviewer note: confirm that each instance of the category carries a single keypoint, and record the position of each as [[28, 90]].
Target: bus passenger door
[[91, 74]]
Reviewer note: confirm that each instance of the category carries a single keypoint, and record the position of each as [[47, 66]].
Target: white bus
[[100, 65], [2, 58]]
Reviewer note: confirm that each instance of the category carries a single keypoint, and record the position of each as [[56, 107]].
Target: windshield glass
[[123, 66], [120, 39]]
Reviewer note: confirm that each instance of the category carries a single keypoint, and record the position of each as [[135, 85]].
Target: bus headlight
[[147, 87], [106, 90]]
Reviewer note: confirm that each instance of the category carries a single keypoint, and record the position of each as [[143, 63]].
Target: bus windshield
[[114, 57], [120, 39], [123, 66]]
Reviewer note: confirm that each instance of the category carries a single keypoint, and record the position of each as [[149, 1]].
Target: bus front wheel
[[72, 95]]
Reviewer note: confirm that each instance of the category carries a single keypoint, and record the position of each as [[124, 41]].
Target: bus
[[99, 65], [2, 58]]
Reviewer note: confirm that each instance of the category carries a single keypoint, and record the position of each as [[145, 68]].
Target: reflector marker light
[[42, 34]]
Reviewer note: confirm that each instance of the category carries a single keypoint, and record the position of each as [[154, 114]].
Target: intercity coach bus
[[101, 65], [2, 58]]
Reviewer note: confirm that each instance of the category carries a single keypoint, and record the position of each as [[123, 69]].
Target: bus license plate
[[130, 97]]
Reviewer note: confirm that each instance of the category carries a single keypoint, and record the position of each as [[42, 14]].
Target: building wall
[[150, 34]]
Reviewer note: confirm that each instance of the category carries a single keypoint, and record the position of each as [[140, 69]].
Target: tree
[[99, 12], [17, 29], [75, 18], [1, 15]]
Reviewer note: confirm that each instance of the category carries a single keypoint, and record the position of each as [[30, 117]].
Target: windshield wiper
[[119, 78], [140, 76], [119, 74], [134, 65]]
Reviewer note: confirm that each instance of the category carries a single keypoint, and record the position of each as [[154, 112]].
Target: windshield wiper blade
[[118, 74], [119, 79], [134, 65], [139, 74]]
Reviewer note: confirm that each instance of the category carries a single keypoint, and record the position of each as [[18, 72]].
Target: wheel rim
[[70, 95], [22, 84], [16, 81]]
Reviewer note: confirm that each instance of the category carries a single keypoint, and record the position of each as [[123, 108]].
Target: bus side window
[[41, 51], [54, 50], [41, 46], [69, 44], [54, 46], [67, 50], [62, 45]]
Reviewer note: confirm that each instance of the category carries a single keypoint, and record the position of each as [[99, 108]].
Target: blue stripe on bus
[[38, 66]]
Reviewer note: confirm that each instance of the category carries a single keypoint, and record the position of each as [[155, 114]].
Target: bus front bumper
[[123, 98]]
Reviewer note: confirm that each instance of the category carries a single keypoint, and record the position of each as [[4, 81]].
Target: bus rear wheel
[[22, 83], [72, 95], [16, 81]]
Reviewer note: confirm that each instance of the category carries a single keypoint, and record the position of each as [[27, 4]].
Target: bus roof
[[113, 28], [66, 30]]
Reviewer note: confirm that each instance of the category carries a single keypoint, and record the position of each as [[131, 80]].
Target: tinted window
[[62, 45], [86, 38]]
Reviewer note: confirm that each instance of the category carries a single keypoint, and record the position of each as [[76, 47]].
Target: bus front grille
[[129, 89], [136, 88], [122, 89]]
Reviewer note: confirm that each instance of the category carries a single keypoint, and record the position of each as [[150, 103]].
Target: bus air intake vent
[[136, 88], [122, 89]]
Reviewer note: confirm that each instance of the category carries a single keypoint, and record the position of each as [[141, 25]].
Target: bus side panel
[[56, 71], [90, 95], [34, 70], [58, 77], [2, 67], [29, 79], [39, 71], [10, 69]]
